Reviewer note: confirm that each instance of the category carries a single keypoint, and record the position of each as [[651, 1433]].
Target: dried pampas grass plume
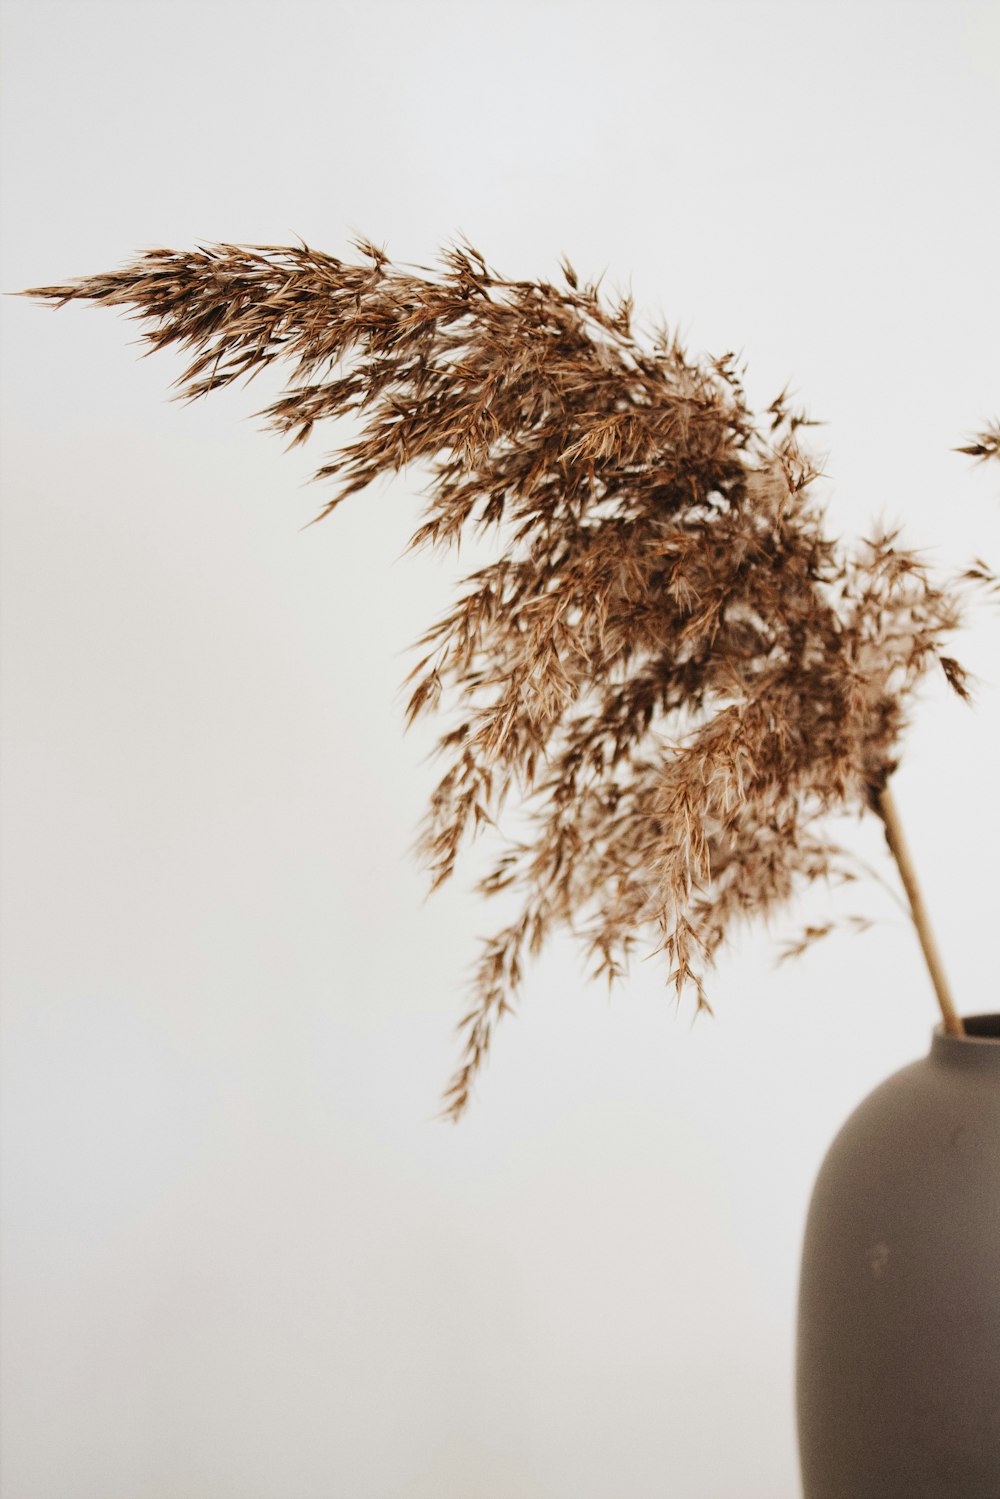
[[672, 668]]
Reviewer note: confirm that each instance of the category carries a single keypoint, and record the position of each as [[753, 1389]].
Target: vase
[[898, 1348]]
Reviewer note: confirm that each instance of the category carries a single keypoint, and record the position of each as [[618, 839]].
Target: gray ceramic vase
[[898, 1360]]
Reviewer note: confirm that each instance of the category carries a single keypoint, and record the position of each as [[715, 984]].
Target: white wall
[[242, 1260]]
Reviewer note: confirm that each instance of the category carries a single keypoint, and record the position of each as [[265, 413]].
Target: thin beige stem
[[885, 806]]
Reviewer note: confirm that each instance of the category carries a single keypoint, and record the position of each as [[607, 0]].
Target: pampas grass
[[673, 670]]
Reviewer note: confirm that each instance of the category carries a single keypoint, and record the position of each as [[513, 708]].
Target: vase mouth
[[981, 1041]]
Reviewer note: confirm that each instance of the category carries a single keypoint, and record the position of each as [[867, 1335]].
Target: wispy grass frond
[[673, 669]]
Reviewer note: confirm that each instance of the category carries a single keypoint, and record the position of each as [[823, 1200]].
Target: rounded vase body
[[898, 1357]]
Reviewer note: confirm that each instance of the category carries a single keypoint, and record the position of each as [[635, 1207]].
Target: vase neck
[[979, 1048]]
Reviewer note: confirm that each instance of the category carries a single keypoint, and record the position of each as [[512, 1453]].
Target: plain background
[[242, 1259]]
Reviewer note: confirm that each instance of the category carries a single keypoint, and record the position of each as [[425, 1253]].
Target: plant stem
[[885, 806]]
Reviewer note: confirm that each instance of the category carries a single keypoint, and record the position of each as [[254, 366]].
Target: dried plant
[[672, 667]]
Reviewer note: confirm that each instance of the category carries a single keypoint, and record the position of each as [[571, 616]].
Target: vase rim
[[981, 1041]]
